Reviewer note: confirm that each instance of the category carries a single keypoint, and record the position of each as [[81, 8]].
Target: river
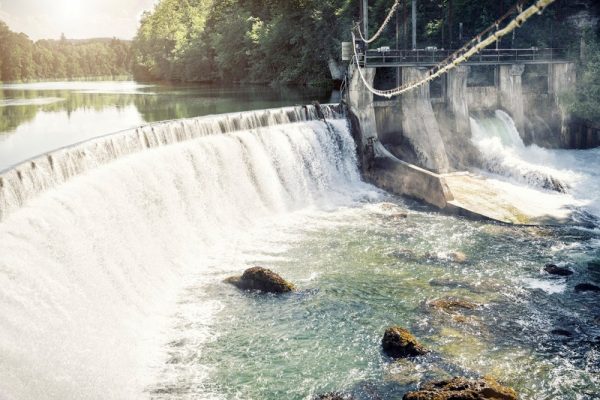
[[112, 282], [38, 117]]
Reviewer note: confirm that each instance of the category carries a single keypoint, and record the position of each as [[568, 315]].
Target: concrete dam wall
[[420, 143]]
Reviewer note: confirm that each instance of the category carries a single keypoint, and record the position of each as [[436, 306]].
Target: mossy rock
[[398, 342], [452, 305], [261, 279], [462, 389]]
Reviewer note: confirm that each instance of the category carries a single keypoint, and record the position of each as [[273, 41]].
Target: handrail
[[425, 56]]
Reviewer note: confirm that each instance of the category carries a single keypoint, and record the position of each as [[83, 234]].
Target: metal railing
[[486, 56]]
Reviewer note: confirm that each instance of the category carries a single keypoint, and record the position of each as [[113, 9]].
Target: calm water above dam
[[39, 117], [112, 283]]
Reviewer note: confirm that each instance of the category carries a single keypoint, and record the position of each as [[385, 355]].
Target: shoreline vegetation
[[290, 43], [23, 60]]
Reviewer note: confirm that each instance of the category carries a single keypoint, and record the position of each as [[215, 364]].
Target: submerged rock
[[451, 305], [400, 215], [587, 287], [262, 279], [462, 389], [457, 257], [553, 269], [454, 256], [554, 184], [398, 342], [561, 332], [334, 396]]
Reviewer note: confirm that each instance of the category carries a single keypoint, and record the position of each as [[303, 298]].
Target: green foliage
[[294, 41], [242, 40], [584, 102], [23, 60]]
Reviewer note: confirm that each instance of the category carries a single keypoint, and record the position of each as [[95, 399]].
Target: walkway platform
[[431, 57]]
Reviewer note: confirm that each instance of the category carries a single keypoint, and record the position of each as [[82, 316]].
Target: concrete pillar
[[562, 78], [511, 93], [362, 113], [365, 10], [419, 125], [414, 24], [457, 99]]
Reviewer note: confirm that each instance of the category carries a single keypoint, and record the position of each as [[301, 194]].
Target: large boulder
[[262, 279], [397, 342], [462, 389]]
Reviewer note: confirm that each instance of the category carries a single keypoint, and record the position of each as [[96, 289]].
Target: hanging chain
[[459, 56], [380, 31]]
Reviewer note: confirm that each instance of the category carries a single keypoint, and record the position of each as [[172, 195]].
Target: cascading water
[[97, 240], [568, 171], [506, 154], [114, 252]]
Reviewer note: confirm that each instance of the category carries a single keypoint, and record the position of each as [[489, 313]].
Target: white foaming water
[[576, 172], [98, 240]]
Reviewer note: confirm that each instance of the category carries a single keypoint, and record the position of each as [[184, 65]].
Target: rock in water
[[553, 269], [398, 343], [451, 305], [458, 257], [561, 332], [587, 287], [462, 389], [262, 279], [334, 396]]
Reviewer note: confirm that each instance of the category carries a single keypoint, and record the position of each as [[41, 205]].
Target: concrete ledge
[[401, 178], [467, 195]]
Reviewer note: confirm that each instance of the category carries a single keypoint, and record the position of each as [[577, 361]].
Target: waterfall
[[505, 154], [98, 239], [576, 172], [20, 183]]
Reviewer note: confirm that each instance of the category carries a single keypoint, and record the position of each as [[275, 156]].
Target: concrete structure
[[511, 90], [410, 145], [419, 125]]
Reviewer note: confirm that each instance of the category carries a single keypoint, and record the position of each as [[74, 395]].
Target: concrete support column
[[511, 93], [414, 24], [457, 99], [362, 113], [419, 125], [562, 78]]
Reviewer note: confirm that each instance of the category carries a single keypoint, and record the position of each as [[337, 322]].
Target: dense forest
[[297, 41], [21, 59]]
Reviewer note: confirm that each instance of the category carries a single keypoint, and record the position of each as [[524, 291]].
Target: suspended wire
[[380, 31], [461, 55]]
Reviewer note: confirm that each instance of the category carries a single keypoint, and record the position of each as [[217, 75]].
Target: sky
[[78, 19]]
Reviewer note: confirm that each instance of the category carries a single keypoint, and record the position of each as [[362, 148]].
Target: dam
[[115, 249], [465, 210], [429, 130]]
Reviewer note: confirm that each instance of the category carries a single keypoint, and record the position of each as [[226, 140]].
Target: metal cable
[[381, 28], [455, 60]]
